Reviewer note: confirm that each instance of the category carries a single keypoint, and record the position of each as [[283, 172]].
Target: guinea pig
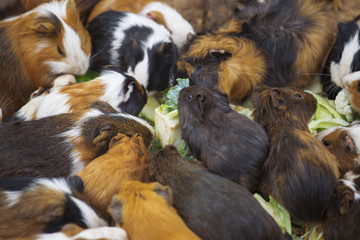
[[278, 43], [38, 46], [127, 159], [30, 206], [145, 211], [63, 144], [121, 90], [343, 63], [344, 143], [158, 11], [236, 146], [133, 44], [213, 207], [299, 172]]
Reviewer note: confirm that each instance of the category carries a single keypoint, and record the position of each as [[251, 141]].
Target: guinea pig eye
[[327, 143], [60, 51], [189, 96], [297, 95]]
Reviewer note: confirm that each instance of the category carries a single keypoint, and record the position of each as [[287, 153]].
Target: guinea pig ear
[[154, 15], [277, 98], [104, 135], [115, 210], [116, 139], [348, 143], [76, 183], [46, 25], [346, 201], [164, 192]]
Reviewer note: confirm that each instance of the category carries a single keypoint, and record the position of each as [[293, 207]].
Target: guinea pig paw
[[64, 80]]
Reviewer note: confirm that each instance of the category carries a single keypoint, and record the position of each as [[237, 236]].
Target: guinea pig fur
[[133, 44], [213, 207], [38, 46], [299, 171], [127, 159], [343, 63], [30, 206], [279, 43], [145, 211], [236, 146], [121, 90], [62, 145]]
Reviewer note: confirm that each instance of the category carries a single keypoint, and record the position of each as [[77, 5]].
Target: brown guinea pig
[[145, 211], [127, 159], [299, 171], [236, 146], [344, 143], [278, 43], [38, 46]]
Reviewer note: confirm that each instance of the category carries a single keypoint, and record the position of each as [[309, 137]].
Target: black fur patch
[[137, 100], [15, 184]]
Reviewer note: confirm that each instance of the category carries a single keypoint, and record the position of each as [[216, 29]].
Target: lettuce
[[89, 75]]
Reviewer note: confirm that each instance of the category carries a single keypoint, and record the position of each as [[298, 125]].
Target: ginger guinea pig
[[277, 43], [121, 90], [228, 143], [133, 44], [145, 211], [127, 159], [30, 206], [63, 144], [38, 46], [299, 172], [213, 207]]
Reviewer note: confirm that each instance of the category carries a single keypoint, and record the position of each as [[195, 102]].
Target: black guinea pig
[[228, 143], [299, 172], [213, 207], [135, 44], [30, 206], [63, 144]]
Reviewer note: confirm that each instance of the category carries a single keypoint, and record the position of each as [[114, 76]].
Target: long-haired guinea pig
[[145, 211], [133, 44], [158, 11], [213, 207], [344, 143], [127, 159], [228, 143], [279, 43], [30, 206], [299, 171], [122, 91], [38, 46], [63, 144], [343, 63]]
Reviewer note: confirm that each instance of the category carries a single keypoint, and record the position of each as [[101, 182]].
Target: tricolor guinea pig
[[38, 46], [278, 43], [145, 211], [236, 146], [127, 159], [133, 44], [63, 144], [213, 207], [299, 172], [121, 90], [30, 206], [343, 63]]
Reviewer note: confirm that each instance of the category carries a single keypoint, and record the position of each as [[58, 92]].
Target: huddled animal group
[[74, 157]]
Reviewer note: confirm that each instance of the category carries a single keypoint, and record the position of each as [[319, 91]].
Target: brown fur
[[355, 94], [145, 212], [127, 159]]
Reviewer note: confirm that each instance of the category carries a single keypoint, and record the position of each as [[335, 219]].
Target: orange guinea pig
[[144, 211], [38, 46], [127, 159]]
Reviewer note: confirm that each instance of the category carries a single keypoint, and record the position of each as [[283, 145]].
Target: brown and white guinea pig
[[31, 206], [145, 211], [299, 172], [127, 159], [228, 143], [344, 143], [121, 90], [213, 207], [133, 44], [38, 46], [278, 43], [63, 144], [343, 63]]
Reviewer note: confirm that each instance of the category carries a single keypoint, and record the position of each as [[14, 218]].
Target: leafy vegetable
[[89, 75]]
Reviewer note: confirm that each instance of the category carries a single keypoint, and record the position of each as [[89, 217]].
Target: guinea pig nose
[[199, 68]]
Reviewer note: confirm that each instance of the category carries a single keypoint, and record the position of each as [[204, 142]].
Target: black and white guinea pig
[[38, 46], [343, 63], [135, 44], [121, 90], [31, 206]]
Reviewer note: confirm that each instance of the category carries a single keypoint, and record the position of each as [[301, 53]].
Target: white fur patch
[[52, 103], [326, 132], [57, 184], [348, 79], [354, 132], [12, 197], [90, 218], [109, 233], [141, 70], [139, 120]]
